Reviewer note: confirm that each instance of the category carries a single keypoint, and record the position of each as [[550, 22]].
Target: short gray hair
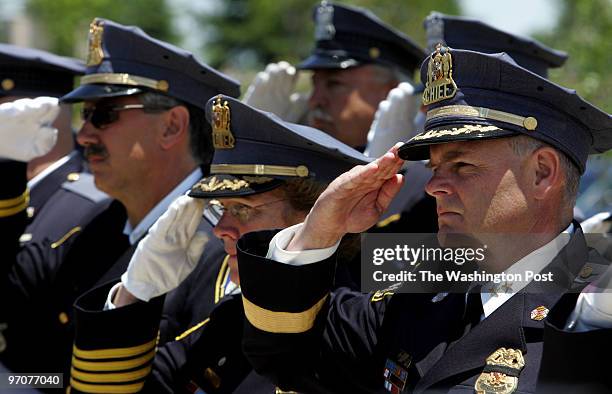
[[523, 145], [386, 74], [200, 132]]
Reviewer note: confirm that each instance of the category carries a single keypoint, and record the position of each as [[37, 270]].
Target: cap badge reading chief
[[95, 54], [222, 136], [440, 85], [324, 25]]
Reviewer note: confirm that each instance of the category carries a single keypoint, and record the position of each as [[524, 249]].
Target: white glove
[[169, 252], [599, 223], [271, 91], [25, 128], [594, 305], [393, 121]]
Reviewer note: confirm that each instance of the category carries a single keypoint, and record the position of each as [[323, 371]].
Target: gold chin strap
[[125, 79], [259, 169], [529, 123]]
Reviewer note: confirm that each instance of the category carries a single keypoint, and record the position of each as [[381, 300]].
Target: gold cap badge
[[501, 373], [222, 136], [440, 85], [95, 54]]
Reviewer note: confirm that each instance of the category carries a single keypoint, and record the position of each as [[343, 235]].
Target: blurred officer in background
[[58, 179]]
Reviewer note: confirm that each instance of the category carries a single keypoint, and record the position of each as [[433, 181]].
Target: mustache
[[95, 150], [320, 114]]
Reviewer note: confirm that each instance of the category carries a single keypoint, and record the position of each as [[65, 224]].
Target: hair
[[302, 193], [523, 145], [200, 131], [390, 74]]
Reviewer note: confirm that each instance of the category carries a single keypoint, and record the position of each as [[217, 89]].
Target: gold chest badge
[[222, 136], [95, 53], [440, 85], [501, 373]]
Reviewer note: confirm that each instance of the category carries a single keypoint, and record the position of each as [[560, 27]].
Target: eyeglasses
[[215, 209], [101, 117]]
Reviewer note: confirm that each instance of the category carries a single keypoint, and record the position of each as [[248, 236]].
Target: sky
[[516, 16]]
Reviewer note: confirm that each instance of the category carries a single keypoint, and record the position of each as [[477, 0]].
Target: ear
[[176, 127], [545, 165]]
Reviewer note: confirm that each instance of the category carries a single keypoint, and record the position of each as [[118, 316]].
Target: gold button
[[63, 318], [301, 171], [374, 53], [25, 237], [30, 211], [530, 123], [8, 84], [73, 177], [162, 85]]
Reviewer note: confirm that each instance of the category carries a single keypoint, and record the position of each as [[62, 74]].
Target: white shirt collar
[[141, 228], [43, 174], [535, 261]]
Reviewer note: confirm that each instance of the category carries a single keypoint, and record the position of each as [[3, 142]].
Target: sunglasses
[[101, 117], [215, 209]]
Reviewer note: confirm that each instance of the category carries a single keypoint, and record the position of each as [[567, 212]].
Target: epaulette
[[83, 185]]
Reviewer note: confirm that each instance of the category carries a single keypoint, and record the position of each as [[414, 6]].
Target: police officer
[[146, 141], [58, 179], [460, 33], [507, 148], [267, 176]]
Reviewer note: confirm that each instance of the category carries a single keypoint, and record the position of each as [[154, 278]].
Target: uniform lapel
[[505, 326], [500, 329]]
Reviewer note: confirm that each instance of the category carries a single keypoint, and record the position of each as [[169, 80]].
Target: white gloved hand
[[594, 305], [25, 128], [169, 252], [393, 121], [271, 91], [599, 223]]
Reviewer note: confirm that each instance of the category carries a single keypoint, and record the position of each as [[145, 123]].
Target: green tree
[[584, 30], [250, 33], [64, 22]]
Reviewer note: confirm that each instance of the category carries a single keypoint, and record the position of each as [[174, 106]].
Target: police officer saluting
[[507, 148]]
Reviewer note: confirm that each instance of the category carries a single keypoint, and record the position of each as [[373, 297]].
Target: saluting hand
[[25, 128], [352, 203]]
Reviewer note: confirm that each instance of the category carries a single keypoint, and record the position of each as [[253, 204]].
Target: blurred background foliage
[[584, 30], [64, 23], [242, 36]]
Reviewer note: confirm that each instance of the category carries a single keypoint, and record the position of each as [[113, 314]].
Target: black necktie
[[473, 307]]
